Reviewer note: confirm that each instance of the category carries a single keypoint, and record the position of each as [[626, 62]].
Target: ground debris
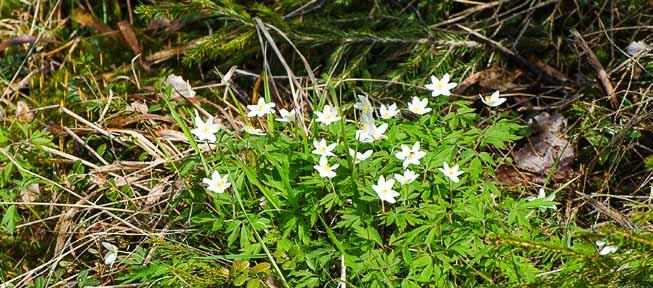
[[546, 148], [493, 78]]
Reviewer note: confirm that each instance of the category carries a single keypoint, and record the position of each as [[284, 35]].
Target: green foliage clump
[[439, 233]]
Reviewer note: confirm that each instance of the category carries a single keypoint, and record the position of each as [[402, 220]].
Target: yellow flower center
[[439, 85]]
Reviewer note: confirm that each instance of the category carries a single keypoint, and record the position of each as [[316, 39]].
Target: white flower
[[367, 121], [542, 195], [260, 109], [636, 47], [205, 130], [410, 155], [358, 156], [388, 112], [364, 104], [418, 106], [322, 149], [384, 189], [451, 172], [372, 133], [441, 86], [408, 177], [328, 115], [607, 249], [180, 86], [493, 100], [112, 253], [249, 129], [287, 116], [216, 183], [324, 169]]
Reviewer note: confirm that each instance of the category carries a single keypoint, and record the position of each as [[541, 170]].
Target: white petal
[[109, 246], [110, 257]]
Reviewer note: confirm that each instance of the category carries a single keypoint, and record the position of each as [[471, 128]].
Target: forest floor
[[119, 116]]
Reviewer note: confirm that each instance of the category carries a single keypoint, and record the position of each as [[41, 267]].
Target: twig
[[80, 141], [600, 72], [464, 14], [609, 212], [291, 75], [514, 56]]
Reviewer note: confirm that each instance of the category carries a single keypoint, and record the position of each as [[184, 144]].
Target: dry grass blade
[[601, 75]]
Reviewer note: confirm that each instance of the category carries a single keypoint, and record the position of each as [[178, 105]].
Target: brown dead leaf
[[80, 16], [65, 224], [23, 112], [122, 121], [166, 54], [157, 192], [493, 78], [171, 134], [138, 106], [129, 35], [170, 26], [547, 69], [31, 193], [546, 147], [511, 176]]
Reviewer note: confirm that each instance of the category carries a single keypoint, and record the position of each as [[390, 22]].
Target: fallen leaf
[[180, 86], [636, 47], [546, 147], [138, 106], [548, 69], [85, 19], [166, 54], [30, 193], [23, 112], [493, 78], [122, 121], [129, 34], [171, 134]]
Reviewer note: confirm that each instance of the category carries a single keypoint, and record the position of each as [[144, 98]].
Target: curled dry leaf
[[547, 147], [157, 192], [138, 106], [636, 47], [171, 134], [23, 112], [30, 193], [180, 86]]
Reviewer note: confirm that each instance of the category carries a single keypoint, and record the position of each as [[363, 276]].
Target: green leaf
[[10, 219], [500, 133], [369, 234]]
